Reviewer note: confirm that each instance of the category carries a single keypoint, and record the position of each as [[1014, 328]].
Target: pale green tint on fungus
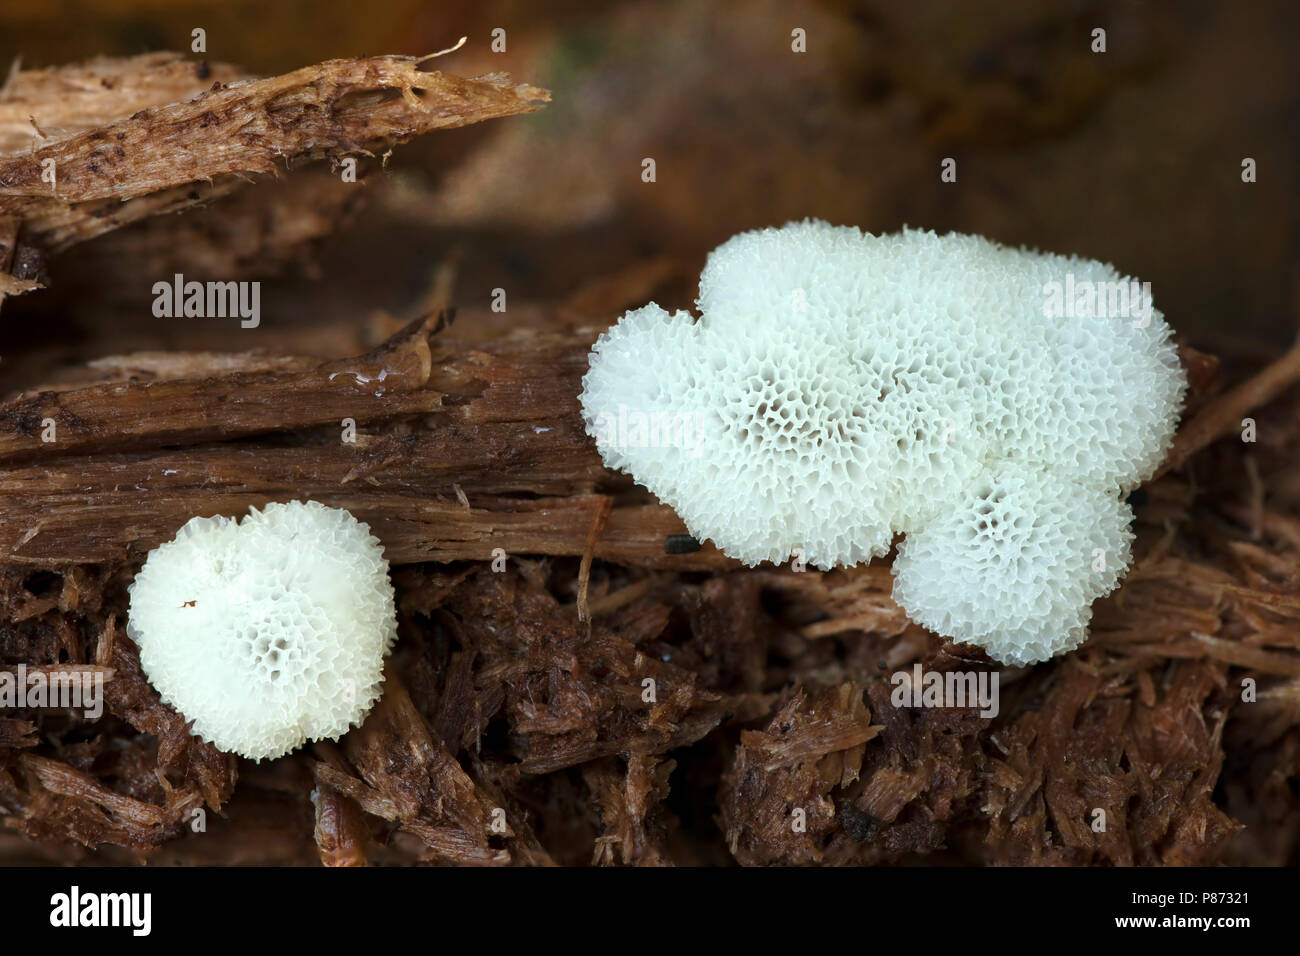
[[841, 388], [266, 632]]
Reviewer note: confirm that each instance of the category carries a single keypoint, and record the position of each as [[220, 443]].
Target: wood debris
[[574, 683], [89, 149]]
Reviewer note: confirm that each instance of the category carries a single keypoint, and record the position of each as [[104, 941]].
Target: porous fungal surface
[[992, 404], [266, 632]]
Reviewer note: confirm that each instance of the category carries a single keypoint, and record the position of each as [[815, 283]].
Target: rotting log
[[462, 447], [159, 153], [90, 148], [460, 450]]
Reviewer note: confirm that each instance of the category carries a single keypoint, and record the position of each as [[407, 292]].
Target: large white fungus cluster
[[839, 388], [268, 632]]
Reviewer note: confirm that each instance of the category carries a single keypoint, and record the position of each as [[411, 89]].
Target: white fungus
[[1016, 566], [840, 388], [268, 632]]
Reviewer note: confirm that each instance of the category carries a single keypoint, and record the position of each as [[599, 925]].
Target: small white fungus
[[269, 632], [840, 388]]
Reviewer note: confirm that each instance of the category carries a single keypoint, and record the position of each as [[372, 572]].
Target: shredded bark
[[628, 807], [48, 105], [136, 457], [128, 140], [530, 735], [1225, 414]]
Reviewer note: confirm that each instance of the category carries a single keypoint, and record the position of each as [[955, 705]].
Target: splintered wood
[[88, 149], [133, 460]]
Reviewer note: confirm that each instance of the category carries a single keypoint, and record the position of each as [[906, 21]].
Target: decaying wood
[[629, 808], [126, 142], [133, 460], [340, 832], [1225, 414], [9, 283], [811, 746], [570, 695], [257, 231], [437, 416], [412, 780], [38, 107], [771, 686], [340, 106], [387, 383]]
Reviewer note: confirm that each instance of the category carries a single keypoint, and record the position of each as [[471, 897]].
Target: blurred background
[[1132, 156]]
